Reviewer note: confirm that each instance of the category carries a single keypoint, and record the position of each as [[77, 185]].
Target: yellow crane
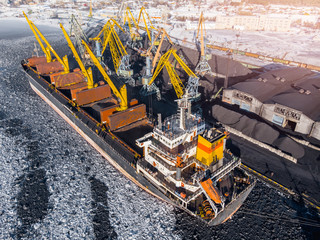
[[163, 34], [143, 13], [119, 54], [128, 17], [192, 85], [90, 11], [121, 94], [106, 36], [151, 88], [48, 49], [86, 72], [203, 66]]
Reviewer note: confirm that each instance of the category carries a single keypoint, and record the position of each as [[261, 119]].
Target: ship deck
[[130, 135]]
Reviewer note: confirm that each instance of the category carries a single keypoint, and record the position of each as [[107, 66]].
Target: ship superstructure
[[191, 165]]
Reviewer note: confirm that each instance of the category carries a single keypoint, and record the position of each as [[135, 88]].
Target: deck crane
[[147, 88], [105, 31], [122, 8], [143, 13], [128, 17], [119, 54], [120, 57], [163, 34], [48, 49], [86, 72], [90, 11], [191, 90], [203, 66], [121, 94], [77, 32]]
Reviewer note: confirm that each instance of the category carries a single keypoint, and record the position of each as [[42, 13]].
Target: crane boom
[[108, 29], [203, 66], [120, 94], [116, 58], [142, 13], [64, 62], [106, 41], [175, 80], [179, 88], [85, 72], [164, 34], [129, 17], [45, 50], [79, 34], [202, 30], [160, 65], [106, 26], [119, 43], [183, 65], [90, 11]]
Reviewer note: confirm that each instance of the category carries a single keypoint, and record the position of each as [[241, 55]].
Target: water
[[53, 185]]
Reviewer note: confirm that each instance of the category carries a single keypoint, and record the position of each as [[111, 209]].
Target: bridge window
[[245, 106], [277, 120]]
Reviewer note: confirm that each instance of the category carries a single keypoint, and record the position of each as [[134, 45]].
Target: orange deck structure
[[211, 190]]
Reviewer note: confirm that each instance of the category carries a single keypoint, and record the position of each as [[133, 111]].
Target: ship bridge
[[179, 128]]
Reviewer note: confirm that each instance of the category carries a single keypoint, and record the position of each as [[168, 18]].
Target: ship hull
[[115, 153], [231, 208]]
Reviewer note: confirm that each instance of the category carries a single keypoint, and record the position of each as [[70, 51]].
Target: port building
[[287, 97], [254, 23]]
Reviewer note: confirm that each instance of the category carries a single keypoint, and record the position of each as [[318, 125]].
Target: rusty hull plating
[[127, 117], [50, 67], [62, 80], [93, 95], [33, 61]]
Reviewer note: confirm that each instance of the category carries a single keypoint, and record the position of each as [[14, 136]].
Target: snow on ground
[[53, 185], [299, 45]]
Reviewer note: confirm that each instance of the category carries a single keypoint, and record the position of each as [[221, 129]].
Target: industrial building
[[287, 97], [254, 23]]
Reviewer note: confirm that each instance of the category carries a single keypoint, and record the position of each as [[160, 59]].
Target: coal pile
[[258, 130]]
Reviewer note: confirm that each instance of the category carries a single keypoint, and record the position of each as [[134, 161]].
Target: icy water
[[54, 185]]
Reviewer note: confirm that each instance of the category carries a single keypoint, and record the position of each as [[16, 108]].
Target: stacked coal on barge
[[191, 166]]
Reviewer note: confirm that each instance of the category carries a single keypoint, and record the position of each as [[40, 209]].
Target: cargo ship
[[181, 160], [184, 163]]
